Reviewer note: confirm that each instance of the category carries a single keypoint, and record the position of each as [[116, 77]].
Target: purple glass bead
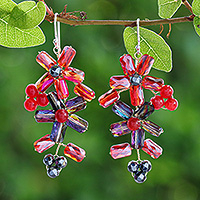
[[122, 109], [144, 111], [44, 116], [152, 128], [55, 102], [58, 132], [76, 104], [119, 128], [137, 138], [77, 123]]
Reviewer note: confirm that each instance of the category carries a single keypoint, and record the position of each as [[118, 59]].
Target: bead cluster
[[62, 114], [135, 79]]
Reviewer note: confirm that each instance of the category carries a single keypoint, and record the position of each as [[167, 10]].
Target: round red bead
[[171, 104], [42, 99], [133, 123], [30, 104], [31, 91], [157, 102], [61, 115], [166, 91]]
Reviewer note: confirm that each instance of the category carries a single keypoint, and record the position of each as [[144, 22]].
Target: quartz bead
[[119, 128], [144, 111], [54, 101], [44, 116], [122, 109], [45, 60], [119, 82], [58, 132], [77, 123], [152, 83], [75, 104], [145, 65], [61, 88], [137, 138], [44, 82], [120, 150], [152, 148], [152, 128], [66, 56], [74, 152], [55, 71], [108, 98], [127, 64], [43, 143], [84, 91], [74, 75], [136, 94], [135, 79]]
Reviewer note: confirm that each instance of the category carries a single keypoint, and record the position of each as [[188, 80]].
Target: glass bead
[[31, 91], [144, 111], [119, 82], [42, 100], [75, 104], [140, 177], [84, 91], [137, 138], [145, 65], [127, 64], [119, 128], [54, 101], [157, 101], [152, 148], [171, 104], [61, 88], [145, 166], [133, 123], [44, 82], [45, 60], [58, 132], [152, 128], [30, 104], [120, 150], [74, 75], [45, 116], [136, 94], [77, 123], [53, 171], [122, 109], [61, 115], [108, 98], [55, 71], [166, 91], [74, 152], [152, 83], [133, 166], [43, 144], [61, 162], [66, 56], [135, 79], [48, 160]]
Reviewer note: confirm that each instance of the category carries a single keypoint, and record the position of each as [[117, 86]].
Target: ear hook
[[56, 41]]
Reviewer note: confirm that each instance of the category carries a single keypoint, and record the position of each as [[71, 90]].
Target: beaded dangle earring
[[62, 112], [135, 121]]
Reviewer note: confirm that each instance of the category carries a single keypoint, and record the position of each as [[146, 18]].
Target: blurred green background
[[175, 175]]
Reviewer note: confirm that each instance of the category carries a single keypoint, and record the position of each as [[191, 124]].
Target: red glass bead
[[42, 100], [171, 104], [136, 94], [145, 65], [119, 82], [74, 152], [152, 148], [152, 83], [84, 91], [61, 115], [120, 150], [61, 88], [74, 75], [166, 91], [43, 143], [31, 91], [157, 102], [30, 104], [127, 64], [133, 123], [108, 98]]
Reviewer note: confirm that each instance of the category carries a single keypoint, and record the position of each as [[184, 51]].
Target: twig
[[187, 5]]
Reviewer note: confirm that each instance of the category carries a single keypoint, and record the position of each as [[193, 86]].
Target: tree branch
[[187, 5], [120, 22]]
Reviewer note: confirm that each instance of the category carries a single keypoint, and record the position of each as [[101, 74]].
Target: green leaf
[[27, 14], [152, 44], [196, 7], [167, 8], [196, 23], [6, 7]]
